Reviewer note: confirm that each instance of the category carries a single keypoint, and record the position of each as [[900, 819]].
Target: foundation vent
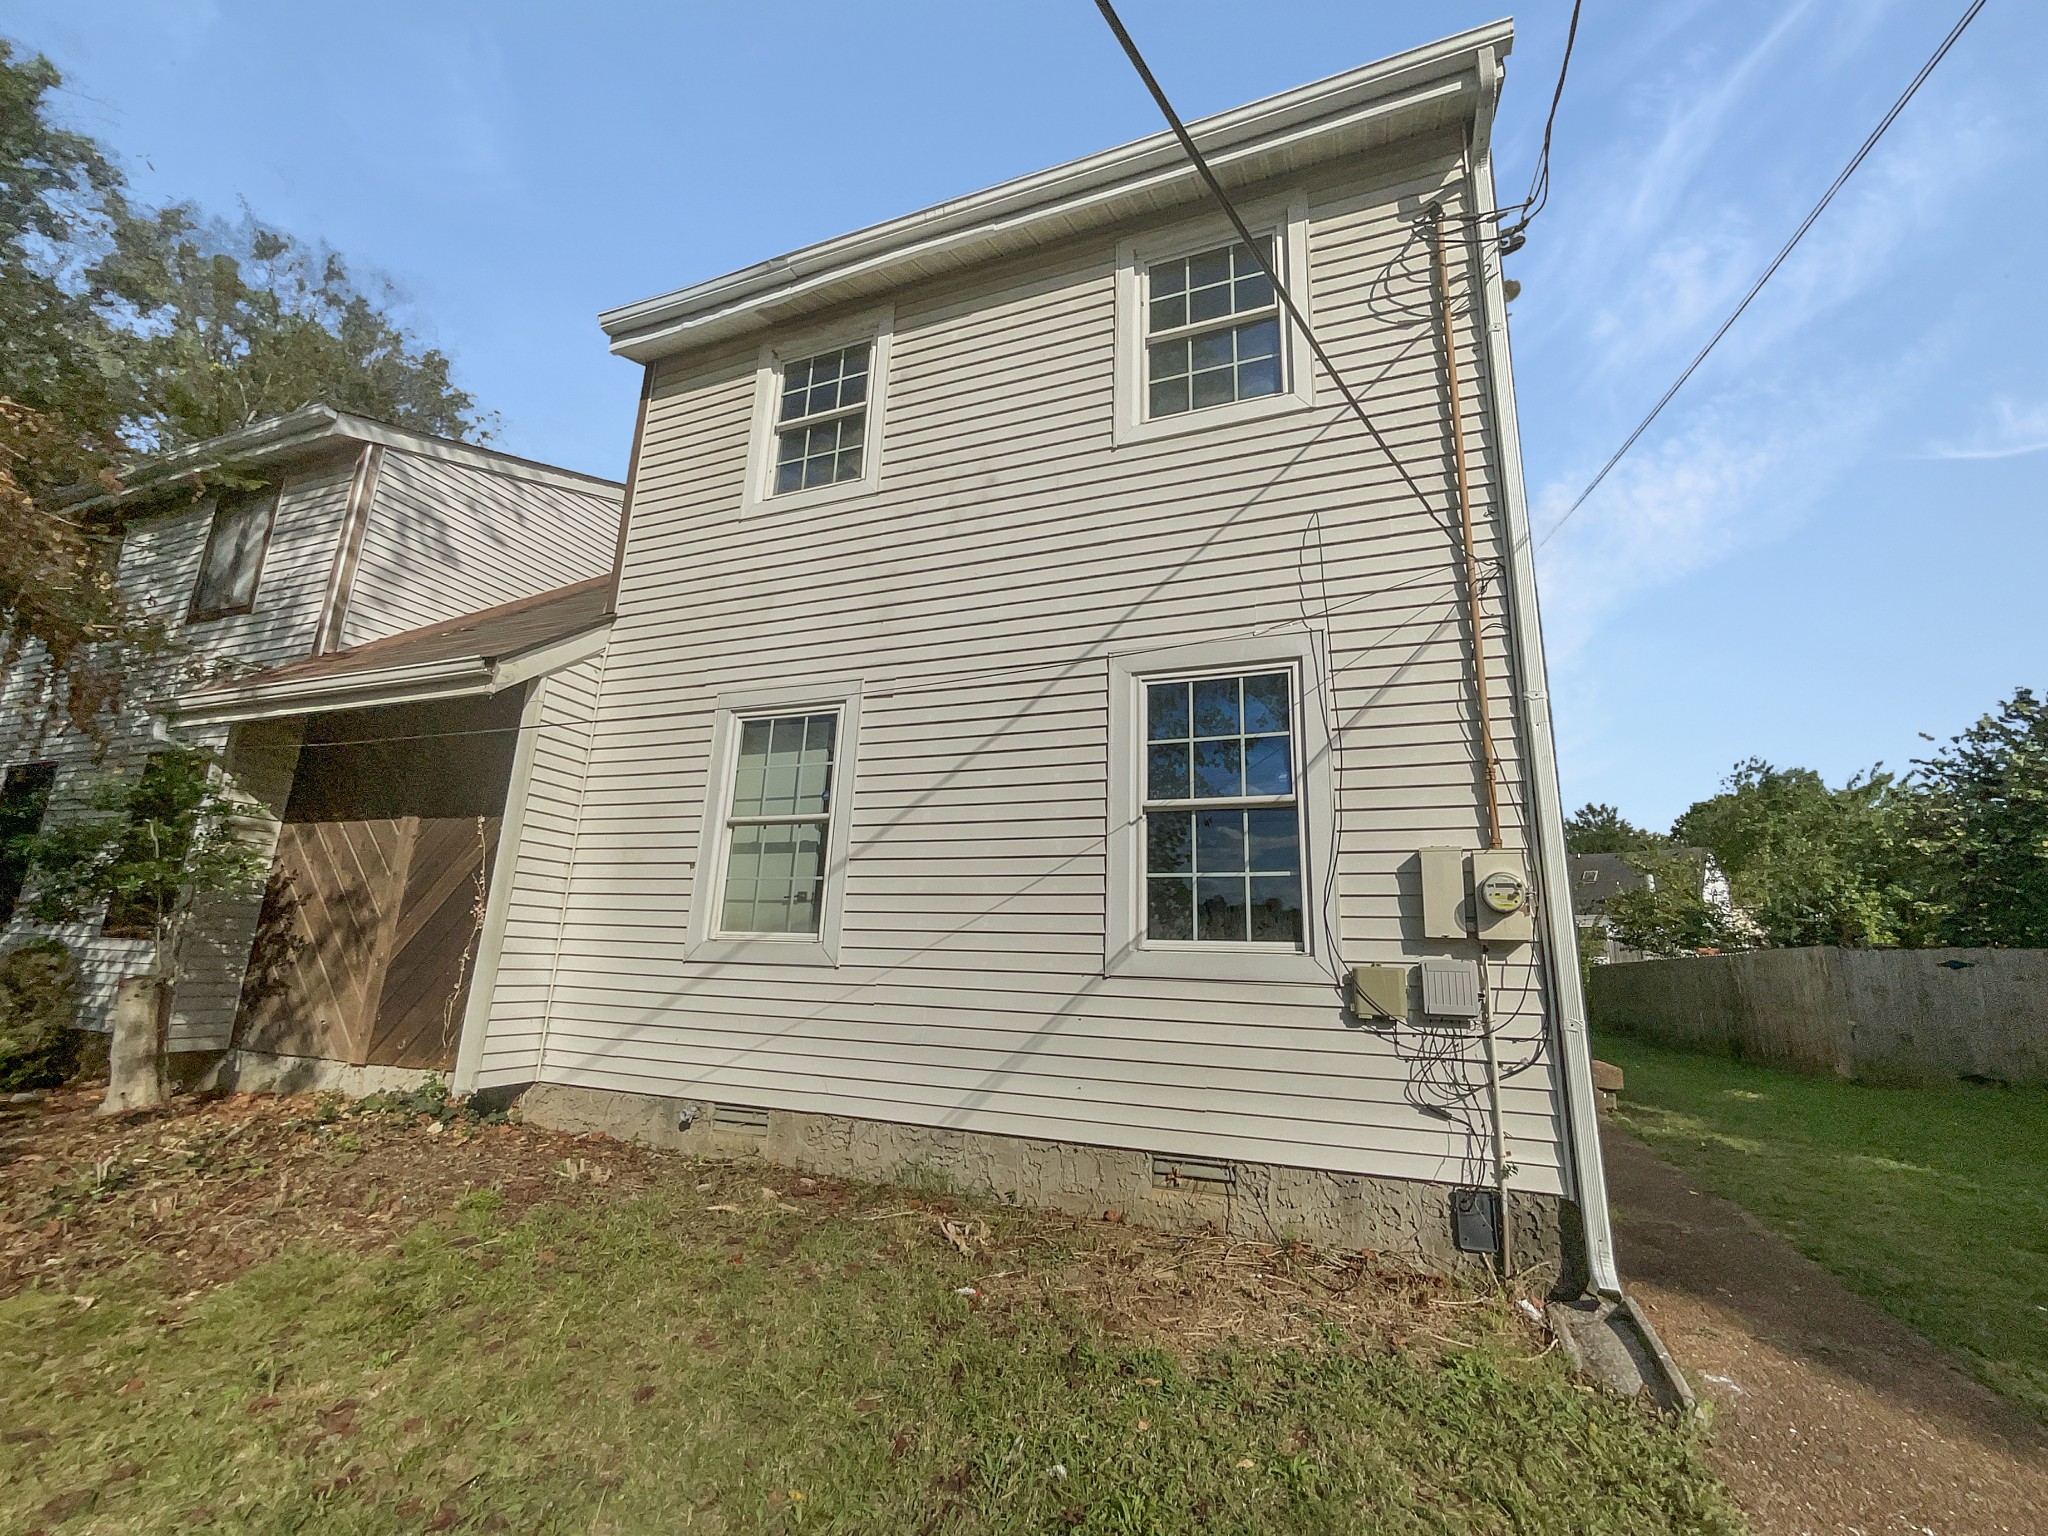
[[750, 1118], [1192, 1173]]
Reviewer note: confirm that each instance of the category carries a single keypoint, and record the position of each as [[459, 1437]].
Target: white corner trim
[[876, 326], [702, 942], [1286, 220], [538, 661], [490, 944], [1125, 952]]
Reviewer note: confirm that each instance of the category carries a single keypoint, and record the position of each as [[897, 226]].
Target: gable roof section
[[479, 653], [315, 427], [1443, 84]]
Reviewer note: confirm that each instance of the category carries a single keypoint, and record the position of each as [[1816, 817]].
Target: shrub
[[38, 1007]]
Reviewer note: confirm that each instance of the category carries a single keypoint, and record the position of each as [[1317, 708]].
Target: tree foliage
[[127, 331], [1669, 913], [160, 836], [1603, 829], [1980, 830], [1810, 864]]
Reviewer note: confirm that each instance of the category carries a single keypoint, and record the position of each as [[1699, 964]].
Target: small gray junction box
[[1450, 989]]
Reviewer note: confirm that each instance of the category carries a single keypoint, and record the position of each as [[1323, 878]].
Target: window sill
[[811, 496], [1212, 417], [1222, 963], [763, 949]]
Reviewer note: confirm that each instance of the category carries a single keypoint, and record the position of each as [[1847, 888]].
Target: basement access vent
[[1192, 1173], [749, 1118]]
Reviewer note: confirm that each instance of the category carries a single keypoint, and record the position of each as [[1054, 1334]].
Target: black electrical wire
[[1512, 237], [1237, 223], [1777, 261]]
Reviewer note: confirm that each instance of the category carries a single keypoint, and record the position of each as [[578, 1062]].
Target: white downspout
[[1588, 1181]]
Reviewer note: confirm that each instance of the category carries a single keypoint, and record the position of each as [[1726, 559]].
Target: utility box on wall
[[1486, 895]]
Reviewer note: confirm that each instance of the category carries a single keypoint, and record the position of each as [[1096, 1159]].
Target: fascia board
[[1093, 186], [522, 666], [450, 678]]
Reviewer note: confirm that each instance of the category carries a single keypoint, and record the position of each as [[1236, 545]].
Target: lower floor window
[[1222, 820], [778, 825]]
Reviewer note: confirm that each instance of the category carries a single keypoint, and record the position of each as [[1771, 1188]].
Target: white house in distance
[[290, 550], [1041, 737]]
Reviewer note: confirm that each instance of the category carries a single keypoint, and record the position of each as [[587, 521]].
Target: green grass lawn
[[698, 1354], [1933, 1202]]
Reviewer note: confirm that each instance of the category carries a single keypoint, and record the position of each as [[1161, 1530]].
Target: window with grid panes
[[1212, 331], [778, 827], [1222, 833], [821, 422]]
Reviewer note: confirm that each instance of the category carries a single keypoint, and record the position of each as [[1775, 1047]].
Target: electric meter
[[1504, 891]]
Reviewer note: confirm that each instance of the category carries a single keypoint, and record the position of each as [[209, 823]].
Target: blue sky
[[1832, 541]]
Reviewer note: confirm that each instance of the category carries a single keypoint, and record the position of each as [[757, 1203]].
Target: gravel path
[[1829, 1415]]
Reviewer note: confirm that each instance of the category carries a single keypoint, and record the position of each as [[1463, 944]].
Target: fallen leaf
[[1143, 1425], [733, 1209], [130, 1387], [1245, 1465], [867, 1404], [65, 1505], [643, 1394], [444, 1517]]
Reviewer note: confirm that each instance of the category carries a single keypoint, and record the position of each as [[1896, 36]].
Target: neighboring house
[[1032, 692], [338, 532], [1597, 878]]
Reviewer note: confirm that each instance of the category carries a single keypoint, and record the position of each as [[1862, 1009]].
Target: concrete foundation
[[1406, 1221], [258, 1072]]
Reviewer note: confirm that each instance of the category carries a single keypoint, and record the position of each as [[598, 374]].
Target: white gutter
[[456, 677], [1056, 201], [1546, 810]]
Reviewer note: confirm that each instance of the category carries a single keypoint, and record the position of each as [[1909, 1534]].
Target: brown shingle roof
[[490, 635]]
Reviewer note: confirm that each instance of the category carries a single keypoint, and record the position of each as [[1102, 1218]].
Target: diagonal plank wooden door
[[368, 935], [317, 966], [432, 949]]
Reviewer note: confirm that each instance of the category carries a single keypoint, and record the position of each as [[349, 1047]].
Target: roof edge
[[652, 327], [311, 426]]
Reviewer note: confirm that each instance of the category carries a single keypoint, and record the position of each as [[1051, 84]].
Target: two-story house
[[1043, 737], [278, 558]]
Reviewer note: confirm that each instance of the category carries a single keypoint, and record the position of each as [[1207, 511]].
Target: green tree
[[1603, 829], [222, 325], [1668, 914], [126, 331], [158, 838], [1810, 864], [1981, 829]]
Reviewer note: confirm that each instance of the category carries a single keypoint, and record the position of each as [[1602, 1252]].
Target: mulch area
[[207, 1187], [1829, 1414]]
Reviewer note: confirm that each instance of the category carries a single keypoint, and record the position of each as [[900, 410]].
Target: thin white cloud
[[2016, 428]]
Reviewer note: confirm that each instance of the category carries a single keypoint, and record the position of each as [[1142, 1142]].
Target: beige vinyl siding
[[1011, 551], [444, 539], [544, 850]]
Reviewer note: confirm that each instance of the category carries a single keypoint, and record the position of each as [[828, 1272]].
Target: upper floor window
[[819, 400], [233, 562], [821, 423], [1212, 331], [1222, 836]]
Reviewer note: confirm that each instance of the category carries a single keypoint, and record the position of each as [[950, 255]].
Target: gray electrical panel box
[[1450, 989], [1443, 894]]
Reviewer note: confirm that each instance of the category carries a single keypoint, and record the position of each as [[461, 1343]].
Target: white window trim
[[877, 327], [702, 940], [1125, 952], [1287, 223]]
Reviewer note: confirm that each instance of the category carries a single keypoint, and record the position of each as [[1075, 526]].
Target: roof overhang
[[455, 677], [1447, 82], [315, 429]]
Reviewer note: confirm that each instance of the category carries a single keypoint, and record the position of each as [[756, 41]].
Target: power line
[[1777, 261], [1512, 238], [1237, 223]]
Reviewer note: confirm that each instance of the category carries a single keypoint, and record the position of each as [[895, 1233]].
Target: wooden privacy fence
[[1889, 1015]]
